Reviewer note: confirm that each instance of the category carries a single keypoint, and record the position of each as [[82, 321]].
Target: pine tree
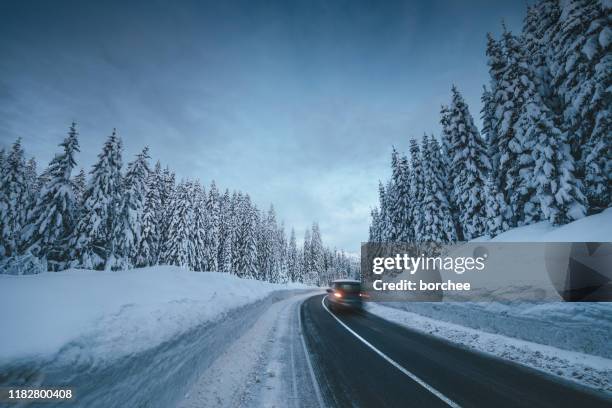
[[79, 186], [54, 214], [375, 235], [200, 259], [179, 249], [292, 258], [127, 227], [33, 187], [468, 168], [494, 200], [166, 195], [497, 112], [581, 68], [558, 191], [439, 225], [150, 228], [281, 255], [13, 196], [417, 189], [307, 258], [226, 233], [400, 206], [246, 239], [212, 229], [93, 242], [317, 261]]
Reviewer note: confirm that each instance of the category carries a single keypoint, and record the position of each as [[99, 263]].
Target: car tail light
[[364, 295], [338, 294]]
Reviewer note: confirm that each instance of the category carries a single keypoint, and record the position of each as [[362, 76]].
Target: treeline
[[544, 151], [118, 219]]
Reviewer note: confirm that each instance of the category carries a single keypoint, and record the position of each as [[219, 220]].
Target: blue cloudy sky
[[296, 102]]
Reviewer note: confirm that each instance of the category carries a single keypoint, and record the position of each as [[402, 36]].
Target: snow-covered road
[[266, 366]]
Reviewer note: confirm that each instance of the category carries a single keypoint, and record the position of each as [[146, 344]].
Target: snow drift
[[128, 338], [120, 312]]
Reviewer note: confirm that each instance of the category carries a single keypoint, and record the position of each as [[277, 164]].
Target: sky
[[298, 103]]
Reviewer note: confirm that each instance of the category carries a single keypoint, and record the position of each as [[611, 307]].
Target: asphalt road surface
[[364, 361]]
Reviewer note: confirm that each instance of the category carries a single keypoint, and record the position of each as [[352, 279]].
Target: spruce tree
[[581, 68], [497, 111], [468, 168], [317, 261], [226, 233], [441, 225], [13, 204], [79, 186], [307, 257], [127, 232], [150, 228], [417, 190], [179, 249], [93, 243], [494, 201], [211, 251], [246, 239], [200, 258], [292, 258], [54, 215], [400, 206]]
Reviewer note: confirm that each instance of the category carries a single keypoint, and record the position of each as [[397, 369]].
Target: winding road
[[362, 360]]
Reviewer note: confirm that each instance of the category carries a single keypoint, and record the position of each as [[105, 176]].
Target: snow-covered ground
[[590, 370], [594, 228], [118, 312], [571, 340], [108, 333]]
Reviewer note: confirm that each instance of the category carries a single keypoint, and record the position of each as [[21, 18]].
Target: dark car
[[345, 294]]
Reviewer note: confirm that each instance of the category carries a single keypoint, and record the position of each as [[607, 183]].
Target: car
[[345, 294]]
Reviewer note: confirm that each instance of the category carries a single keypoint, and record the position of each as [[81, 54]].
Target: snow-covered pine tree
[[494, 201], [166, 195], [13, 196], [316, 250], [558, 191], [127, 226], [150, 228], [417, 189], [179, 249], [468, 168], [200, 258], [307, 257], [246, 239], [282, 253], [292, 258], [212, 229], [33, 187], [581, 67], [400, 206], [93, 238], [79, 186], [226, 233], [53, 218], [375, 235], [264, 248], [496, 114], [440, 228]]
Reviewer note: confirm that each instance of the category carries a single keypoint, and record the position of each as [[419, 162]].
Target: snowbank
[[114, 313], [571, 340], [589, 370], [594, 228]]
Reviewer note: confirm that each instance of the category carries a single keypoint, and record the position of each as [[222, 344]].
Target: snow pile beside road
[[594, 228], [113, 314], [571, 340], [589, 370]]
